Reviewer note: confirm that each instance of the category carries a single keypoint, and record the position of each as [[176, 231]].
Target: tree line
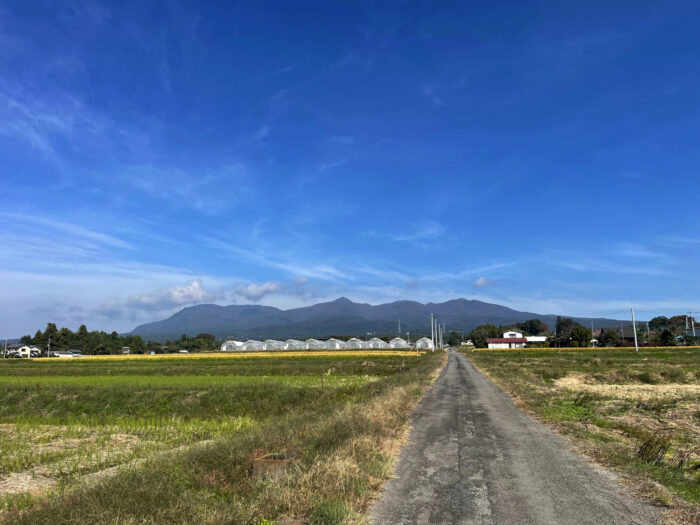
[[661, 331], [101, 343]]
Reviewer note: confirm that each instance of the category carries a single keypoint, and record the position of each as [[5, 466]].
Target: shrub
[[654, 449]]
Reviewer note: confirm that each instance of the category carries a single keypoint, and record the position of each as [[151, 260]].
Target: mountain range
[[341, 317]]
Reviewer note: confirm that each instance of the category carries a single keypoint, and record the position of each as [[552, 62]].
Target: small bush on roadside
[[654, 449], [330, 511], [647, 377], [583, 399]]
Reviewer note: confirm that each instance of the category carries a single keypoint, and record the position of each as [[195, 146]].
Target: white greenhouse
[[355, 343], [294, 344], [335, 344], [252, 345], [315, 344], [375, 342], [424, 343], [272, 344], [231, 346], [398, 342]]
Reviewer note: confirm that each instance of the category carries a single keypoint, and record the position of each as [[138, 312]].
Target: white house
[[425, 343], [335, 344], [510, 339], [272, 344], [232, 346], [536, 338], [29, 351], [293, 344], [375, 342], [355, 343], [314, 344], [251, 345], [398, 342]]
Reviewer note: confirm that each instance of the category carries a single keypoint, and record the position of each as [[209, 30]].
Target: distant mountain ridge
[[339, 317]]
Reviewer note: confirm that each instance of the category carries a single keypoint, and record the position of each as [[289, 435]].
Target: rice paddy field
[[172, 439], [636, 412]]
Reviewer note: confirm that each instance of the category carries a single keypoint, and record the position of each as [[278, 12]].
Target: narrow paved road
[[474, 457]]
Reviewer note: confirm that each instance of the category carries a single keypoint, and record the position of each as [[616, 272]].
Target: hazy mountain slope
[[339, 317]]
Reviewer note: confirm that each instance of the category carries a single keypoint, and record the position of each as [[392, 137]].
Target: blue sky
[[541, 155]]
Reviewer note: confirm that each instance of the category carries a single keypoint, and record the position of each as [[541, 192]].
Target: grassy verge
[[189, 445], [639, 413]]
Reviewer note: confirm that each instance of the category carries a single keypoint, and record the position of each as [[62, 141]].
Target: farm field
[[172, 439], [638, 413]]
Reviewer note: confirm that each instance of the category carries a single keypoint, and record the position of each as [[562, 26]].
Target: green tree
[[608, 337], [453, 338], [658, 323], [666, 338], [26, 340], [533, 327], [483, 332], [564, 325], [581, 336]]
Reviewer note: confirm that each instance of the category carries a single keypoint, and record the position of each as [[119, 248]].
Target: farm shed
[[231, 346], [398, 342], [272, 344], [355, 343], [424, 343], [294, 344], [375, 342], [252, 345], [335, 344]]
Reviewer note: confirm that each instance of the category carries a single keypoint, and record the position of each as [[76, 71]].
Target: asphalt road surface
[[474, 457]]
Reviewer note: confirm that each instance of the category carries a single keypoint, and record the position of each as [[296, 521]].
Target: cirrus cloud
[[255, 292], [191, 293]]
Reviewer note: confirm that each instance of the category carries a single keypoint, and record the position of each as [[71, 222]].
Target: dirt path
[[475, 458]]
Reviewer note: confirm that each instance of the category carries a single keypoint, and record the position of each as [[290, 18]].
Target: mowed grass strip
[[178, 382], [638, 412], [271, 365], [345, 436]]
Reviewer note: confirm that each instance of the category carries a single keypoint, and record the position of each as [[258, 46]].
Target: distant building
[[510, 339], [293, 344], [398, 342], [425, 343], [335, 344], [375, 342], [355, 343], [314, 344], [272, 344], [251, 345], [232, 346], [126, 350]]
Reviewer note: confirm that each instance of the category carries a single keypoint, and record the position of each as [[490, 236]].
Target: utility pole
[[432, 329], [634, 329], [48, 353], [692, 323], [4, 355]]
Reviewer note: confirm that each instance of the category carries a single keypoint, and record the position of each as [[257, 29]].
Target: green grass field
[[183, 433], [639, 413]]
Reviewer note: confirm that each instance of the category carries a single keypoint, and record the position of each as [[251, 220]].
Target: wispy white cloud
[[176, 296], [628, 249], [421, 234], [480, 282], [68, 230], [331, 165], [431, 94], [254, 292]]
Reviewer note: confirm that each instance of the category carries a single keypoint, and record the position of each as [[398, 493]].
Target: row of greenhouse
[[316, 344]]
